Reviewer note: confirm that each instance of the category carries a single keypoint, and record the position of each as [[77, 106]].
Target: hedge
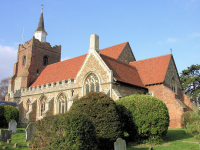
[[102, 111], [150, 116], [7, 113]]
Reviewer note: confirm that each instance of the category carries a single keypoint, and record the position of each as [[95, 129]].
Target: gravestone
[[12, 126], [120, 144], [29, 131], [5, 135]]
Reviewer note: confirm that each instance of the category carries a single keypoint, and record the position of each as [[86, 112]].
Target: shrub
[[7, 113], [186, 116], [193, 125], [102, 111], [3, 122], [70, 131], [150, 116], [128, 126]]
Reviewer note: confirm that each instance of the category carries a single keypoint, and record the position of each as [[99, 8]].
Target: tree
[[3, 88], [190, 79]]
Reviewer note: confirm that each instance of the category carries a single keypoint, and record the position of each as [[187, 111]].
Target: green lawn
[[176, 139], [19, 138]]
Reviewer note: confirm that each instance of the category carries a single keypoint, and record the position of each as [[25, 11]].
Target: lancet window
[[62, 103], [173, 85], [45, 61], [28, 105], [42, 106], [91, 83], [24, 60]]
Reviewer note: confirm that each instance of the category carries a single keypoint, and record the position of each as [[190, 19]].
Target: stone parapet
[[46, 88]]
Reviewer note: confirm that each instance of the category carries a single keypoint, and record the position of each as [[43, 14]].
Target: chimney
[[94, 43]]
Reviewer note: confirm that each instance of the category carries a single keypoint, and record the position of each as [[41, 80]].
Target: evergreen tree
[[190, 79]]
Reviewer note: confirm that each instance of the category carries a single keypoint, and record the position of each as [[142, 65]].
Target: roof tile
[[153, 70], [123, 72]]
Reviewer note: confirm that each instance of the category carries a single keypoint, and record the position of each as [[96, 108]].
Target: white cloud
[[172, 40], [194, 35], [8, 57]]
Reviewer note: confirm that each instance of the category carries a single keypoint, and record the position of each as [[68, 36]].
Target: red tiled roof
[[69, 68], [114, 51], [123, 72], [63, 70], [153, 70]]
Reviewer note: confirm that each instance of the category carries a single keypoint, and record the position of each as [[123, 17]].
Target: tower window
[[37, 72], [45, 61], [24, 60]]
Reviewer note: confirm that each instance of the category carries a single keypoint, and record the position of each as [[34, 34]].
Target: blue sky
[[151, 27]]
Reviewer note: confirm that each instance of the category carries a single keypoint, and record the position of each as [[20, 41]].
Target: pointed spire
[[40, 33], [41, 23]]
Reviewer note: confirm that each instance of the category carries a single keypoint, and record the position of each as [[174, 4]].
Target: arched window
[[45, 61], [42, 106], [173, 85], [91, 83], [24, 60], [28, 105], [62, 104], [37, 72]]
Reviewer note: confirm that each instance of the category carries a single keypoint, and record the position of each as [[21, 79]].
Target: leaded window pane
[[97, 87], [92, 87], [87, 88]]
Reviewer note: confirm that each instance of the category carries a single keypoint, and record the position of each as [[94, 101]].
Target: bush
[[128, 126], [70, 131], [3, 122], [7, 113], [150, 116], [102, 111], [193, 125], [186, 115]]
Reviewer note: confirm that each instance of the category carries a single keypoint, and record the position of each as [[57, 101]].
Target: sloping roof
[[69, 68], [114, 51], [123, 72], [63, 70], [153, 70]]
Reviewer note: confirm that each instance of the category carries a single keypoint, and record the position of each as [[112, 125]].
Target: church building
[[43, 85]]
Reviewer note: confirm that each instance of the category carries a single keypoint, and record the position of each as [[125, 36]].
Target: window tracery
[[62, 103], [91, 83]]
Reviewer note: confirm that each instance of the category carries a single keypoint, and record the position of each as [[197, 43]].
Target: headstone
[[15, 145], [12, 126], [8, 141], [5, 135], [29, 131], [120, 144]]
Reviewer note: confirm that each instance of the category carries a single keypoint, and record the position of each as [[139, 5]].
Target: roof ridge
[[119, 61], [151, 58], [115, 45]]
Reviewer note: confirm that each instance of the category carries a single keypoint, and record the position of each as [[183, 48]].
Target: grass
[[176, 139], [19, 138]]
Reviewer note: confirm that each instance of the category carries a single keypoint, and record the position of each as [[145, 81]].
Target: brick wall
[[175, 107]]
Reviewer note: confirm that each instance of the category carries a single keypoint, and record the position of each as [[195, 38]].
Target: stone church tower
[[32, 58]]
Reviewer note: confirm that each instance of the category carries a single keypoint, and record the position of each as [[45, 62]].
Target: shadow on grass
[[176, 134], [138, 148]]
